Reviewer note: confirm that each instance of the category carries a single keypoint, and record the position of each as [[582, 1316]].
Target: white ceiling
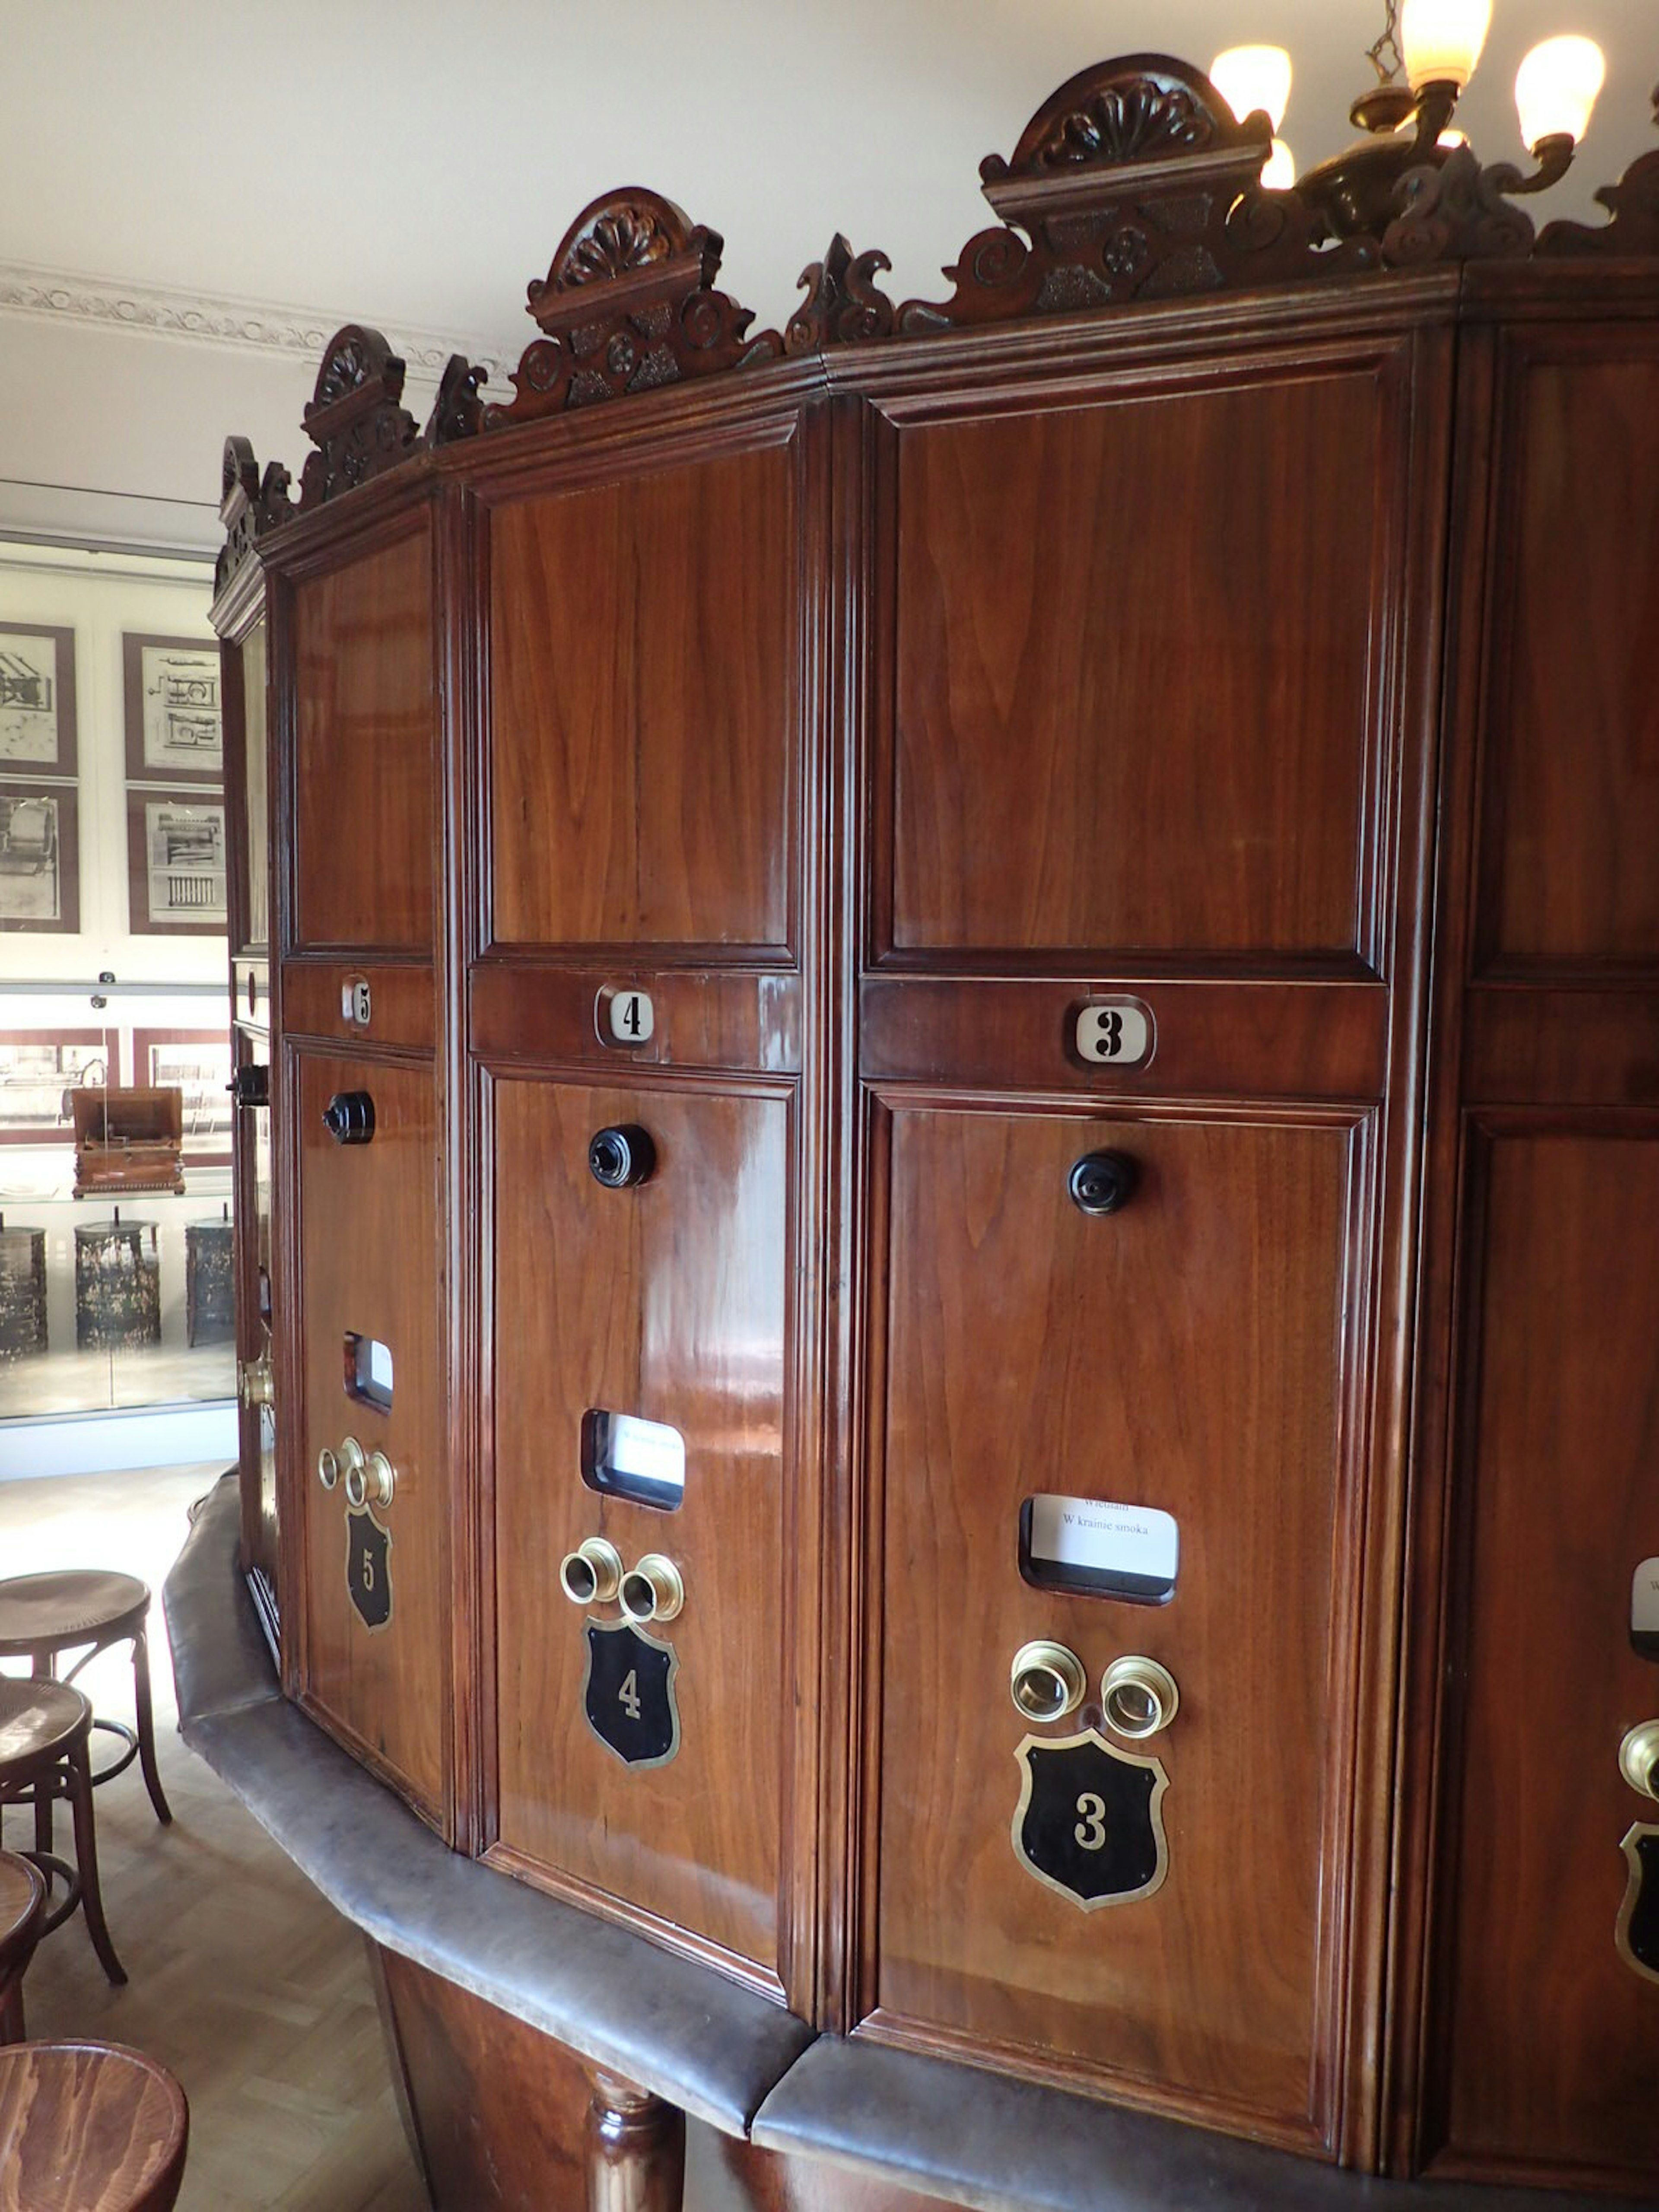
[[414, 165]]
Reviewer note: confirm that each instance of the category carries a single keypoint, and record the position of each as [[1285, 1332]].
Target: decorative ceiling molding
[[61, 296]]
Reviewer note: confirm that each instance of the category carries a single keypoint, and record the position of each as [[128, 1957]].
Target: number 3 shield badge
[[1090, 1820], [369, 1568], [628, 1694]]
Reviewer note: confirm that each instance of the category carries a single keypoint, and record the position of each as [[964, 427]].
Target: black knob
[[349, 1117], [621, 1156], [1100, 1183], [251, 1086]]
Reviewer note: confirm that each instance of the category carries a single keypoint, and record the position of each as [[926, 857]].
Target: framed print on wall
[[176, 863], [196, 1062], [39, 1069], [37, 700], [173, 723], [40, 857]]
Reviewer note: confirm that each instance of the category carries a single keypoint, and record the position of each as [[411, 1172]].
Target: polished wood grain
[[22, 1909], [88, 2127], [1558, 1446], [1181, 1354], [403, 1009], [363, 715], [255, 1336], [645, 709], [367, 1262], [1571, 801], [703, 1018], [1114, 788], [671, 1301]]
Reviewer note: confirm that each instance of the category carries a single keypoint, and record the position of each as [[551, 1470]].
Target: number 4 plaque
[[1090, 1819], [628, 1694]]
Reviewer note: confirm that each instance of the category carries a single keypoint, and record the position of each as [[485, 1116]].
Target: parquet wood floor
[[251, 1989]]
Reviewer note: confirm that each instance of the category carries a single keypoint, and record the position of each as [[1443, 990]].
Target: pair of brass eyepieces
[[594, 1574], [1137, 1696]]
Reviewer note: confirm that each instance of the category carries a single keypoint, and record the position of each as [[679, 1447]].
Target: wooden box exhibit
[[962, 1026], [128, 1139]]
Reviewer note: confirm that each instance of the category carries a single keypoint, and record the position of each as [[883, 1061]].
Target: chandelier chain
[[1387, 45]]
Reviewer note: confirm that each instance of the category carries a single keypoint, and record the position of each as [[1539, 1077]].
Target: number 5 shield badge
[[1090, 1820], [369, 1568], [628, 1694]]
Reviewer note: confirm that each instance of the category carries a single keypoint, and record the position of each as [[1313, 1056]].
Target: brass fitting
[[653, 1591], [592, 1573], [1046, 1681]]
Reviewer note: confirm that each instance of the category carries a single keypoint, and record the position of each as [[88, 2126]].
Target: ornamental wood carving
[[1458, 212], [1134, 181], [249, 505], [1633, 202], [843, 303], [628, 304], [355, 419], [458, 411]]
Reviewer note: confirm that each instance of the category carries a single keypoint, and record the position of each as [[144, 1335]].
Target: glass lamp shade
[[1555, 88], [1279, 171], [1248, 77], [1441, 40]]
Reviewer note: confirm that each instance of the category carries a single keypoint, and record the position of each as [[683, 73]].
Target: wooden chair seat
[[22, 1913], [45, 1615], [88, 2127], [45, 1731]]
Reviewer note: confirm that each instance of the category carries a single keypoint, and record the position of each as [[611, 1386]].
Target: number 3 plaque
[[1090, 1819]]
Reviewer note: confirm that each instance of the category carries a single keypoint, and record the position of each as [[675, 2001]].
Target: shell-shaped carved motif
[[624, 237], [1137, 122]]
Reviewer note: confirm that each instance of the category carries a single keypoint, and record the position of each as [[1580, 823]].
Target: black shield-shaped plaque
[[628, 1694], [1090, 1819], [369, 1568], [1638, 1933]]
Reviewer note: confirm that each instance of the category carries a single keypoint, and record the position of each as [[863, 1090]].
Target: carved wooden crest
[[628, 304], [355, 419], [249, 505], [1633, 202]]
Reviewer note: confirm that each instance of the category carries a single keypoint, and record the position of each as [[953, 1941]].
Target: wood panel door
[[1529, 2039], [1183, 1356], [667, 1303], [376, 1640]]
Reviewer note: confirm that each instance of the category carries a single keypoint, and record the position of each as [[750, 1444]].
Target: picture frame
[[174, 702], [40, 1068], [40, 857], [38, 714], [176, 864], [197, 1063]]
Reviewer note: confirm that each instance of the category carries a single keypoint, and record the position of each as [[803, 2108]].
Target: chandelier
[[1425, 56]]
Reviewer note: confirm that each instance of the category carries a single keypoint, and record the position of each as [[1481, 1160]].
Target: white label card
[[626, 1016], [1114, 1033], [1644, 1600], [1117, 1539]]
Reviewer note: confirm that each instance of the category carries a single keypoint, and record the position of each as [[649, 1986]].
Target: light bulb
[[1279, 171], [1453, 137], [1441, 40], [1555, 88], [1248, 77]]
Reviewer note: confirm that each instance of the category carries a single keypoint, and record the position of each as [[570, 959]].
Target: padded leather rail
[[672, 2027], [221, 1661], [979, 2139]]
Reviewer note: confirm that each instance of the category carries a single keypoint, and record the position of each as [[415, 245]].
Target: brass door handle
[[1638, 1758]]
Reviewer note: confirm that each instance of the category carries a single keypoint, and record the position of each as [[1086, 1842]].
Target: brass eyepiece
[[653, 1591], [380, 1477], [328, 1468], [592, 1573], [1138, 1696], [1046, 1681], [1638, 1758]]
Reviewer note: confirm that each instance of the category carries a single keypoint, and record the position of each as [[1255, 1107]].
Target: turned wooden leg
[[147, 1726], [635, 2149], [79, 1764]]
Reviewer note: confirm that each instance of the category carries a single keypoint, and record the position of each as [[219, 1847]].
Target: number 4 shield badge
[[369, 1568], [1090, 1820], [628, 1694]]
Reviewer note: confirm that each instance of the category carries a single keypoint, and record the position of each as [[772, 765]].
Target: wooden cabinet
[[966, 742]]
